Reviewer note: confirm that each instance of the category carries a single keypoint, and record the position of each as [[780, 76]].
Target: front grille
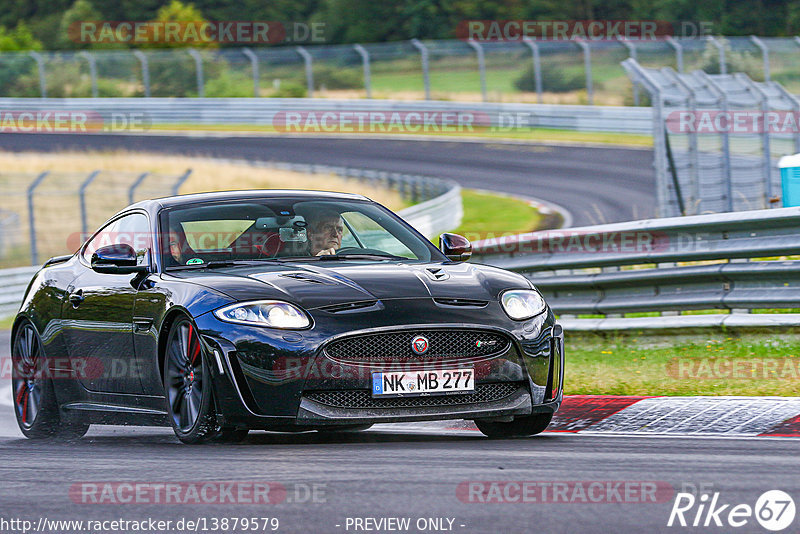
[[396, 346], [362, 398]]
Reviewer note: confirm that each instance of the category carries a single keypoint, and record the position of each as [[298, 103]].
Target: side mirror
[[455, 247], [116, 259]]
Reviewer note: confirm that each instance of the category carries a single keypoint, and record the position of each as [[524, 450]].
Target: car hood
[[324, 284]]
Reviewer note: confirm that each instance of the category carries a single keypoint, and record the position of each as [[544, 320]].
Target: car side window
[[133, 230]]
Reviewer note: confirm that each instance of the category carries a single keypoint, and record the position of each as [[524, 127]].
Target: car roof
[[178, 200]]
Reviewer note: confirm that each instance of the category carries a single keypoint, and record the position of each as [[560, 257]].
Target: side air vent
[[305, 278], [465, 303], [350, 306], [437, 273]]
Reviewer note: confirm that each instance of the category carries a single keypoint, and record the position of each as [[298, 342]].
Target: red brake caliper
[[194, 348], [25, 404]]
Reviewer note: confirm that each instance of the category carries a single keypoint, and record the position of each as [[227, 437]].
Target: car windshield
[[287, 229]]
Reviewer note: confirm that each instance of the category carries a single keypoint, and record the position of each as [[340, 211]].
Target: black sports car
[[218, 313]]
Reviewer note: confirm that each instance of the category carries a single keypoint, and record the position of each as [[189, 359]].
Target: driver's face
[[327, 234]]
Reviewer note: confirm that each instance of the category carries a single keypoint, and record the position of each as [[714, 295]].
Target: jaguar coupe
[[221, 313]]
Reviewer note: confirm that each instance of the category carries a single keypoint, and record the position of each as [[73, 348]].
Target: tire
[[35, 404], [187, 385], [526, 425]]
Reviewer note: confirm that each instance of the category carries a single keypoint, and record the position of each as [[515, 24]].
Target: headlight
[[271, 313], [523, 303]]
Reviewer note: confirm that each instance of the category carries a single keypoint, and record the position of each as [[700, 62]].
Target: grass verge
[[712, 363], [489, 215]]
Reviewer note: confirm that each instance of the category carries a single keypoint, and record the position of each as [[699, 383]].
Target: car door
[[98, 313]]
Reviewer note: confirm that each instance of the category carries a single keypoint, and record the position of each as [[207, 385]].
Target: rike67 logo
[[774, 510]]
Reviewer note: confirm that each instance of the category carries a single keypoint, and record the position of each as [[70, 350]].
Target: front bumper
[[257, 388]]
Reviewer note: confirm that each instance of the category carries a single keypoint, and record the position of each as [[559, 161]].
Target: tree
[[69, 30]]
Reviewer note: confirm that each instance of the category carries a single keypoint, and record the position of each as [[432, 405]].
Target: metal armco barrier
[[13, 283], [615, 269], [137, 115]]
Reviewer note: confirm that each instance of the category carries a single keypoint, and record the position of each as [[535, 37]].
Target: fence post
[[481, 66], [678, 52], [181, 179], [632, 54], [694, 155], [723, 67], [726, 148], [309, 69], [367, 72], [40, 64], [587, 65], [795, 104], [254, 64], [423, 52], [82, 196], [198, 65], [537, 66], [763, 100], [764, 55], [32, 217], [136, 184], [92, 70], [145, 71]]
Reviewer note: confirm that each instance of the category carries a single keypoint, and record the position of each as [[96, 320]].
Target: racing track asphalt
[[391, 471], [596, 184]]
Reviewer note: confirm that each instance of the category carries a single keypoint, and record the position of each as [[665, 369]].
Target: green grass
[[538, 135], [6, 322], [628, 364], [485, 213]]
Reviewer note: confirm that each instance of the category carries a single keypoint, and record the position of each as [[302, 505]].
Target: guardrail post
[[587, 65], [145, 71], [92, 70], [797, 40], [726, 147], [135, 185], [254, 65], [481, 66], [426, 79], [764, 55], [632, 54], [181, 179], [678, 52], [537, 66], [32, 216], [198, 66], [42, 80], [367, 72], [309, 69], [723, 67], [82, 196]]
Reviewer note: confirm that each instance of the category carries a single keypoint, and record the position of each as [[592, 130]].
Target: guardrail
[[13, 283], [667, 266], [137, 114]]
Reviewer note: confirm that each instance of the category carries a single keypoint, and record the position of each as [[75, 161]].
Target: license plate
[[409, 384]]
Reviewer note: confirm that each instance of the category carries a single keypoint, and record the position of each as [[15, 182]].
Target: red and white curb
[[676, 416]]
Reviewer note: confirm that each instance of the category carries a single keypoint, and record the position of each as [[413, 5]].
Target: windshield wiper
[[218, 264], [366, 256]]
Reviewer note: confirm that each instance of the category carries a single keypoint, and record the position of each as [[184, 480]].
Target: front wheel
[[35, 404], [187, 385], [526, 425]]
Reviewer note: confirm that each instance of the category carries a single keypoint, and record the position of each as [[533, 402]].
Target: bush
[[337, 78], [734, 61], [230, 84], [555, 79], [289, 90]]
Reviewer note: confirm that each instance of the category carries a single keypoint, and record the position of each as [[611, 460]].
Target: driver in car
[[324, 232]]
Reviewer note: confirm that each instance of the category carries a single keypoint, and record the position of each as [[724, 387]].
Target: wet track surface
[[403, 471], [597, 185]]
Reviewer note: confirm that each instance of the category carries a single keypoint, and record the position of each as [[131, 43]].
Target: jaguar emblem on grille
[[419, 345]]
